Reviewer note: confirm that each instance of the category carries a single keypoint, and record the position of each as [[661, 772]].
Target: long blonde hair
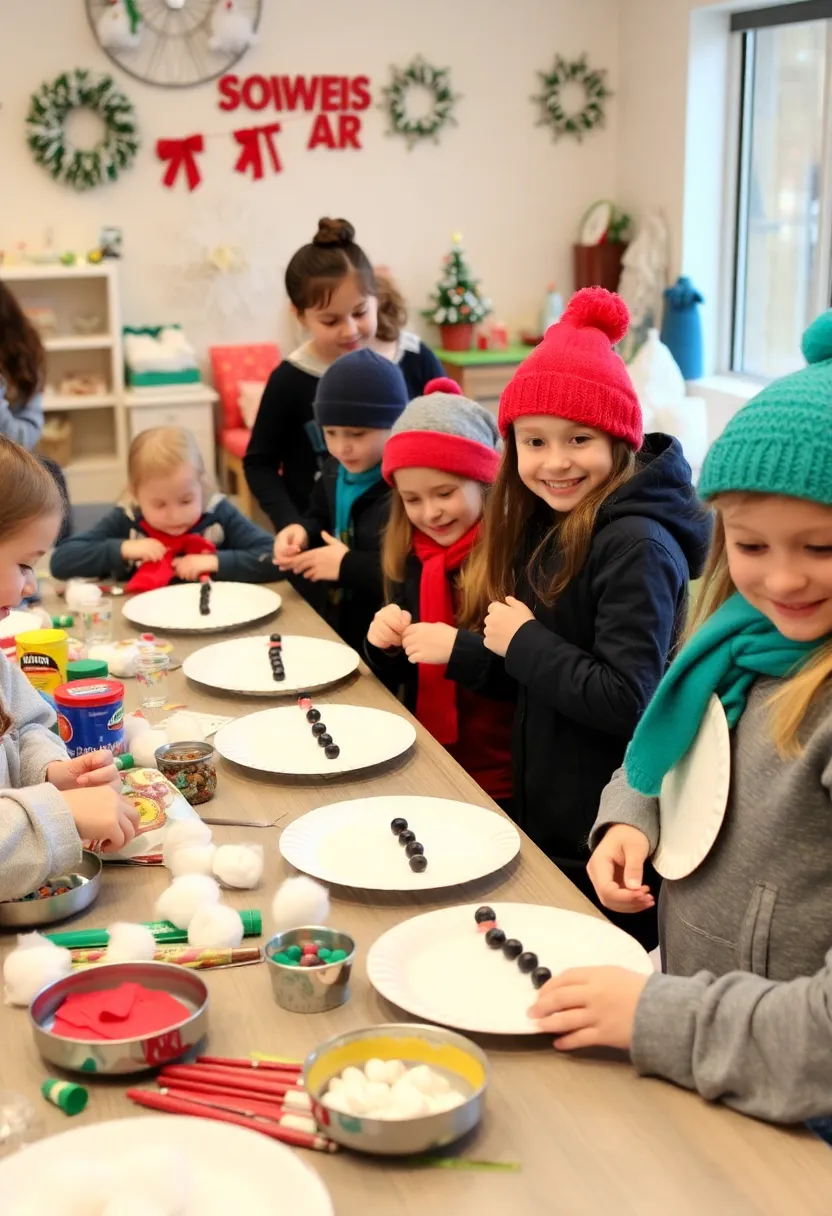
[[30, 491], [162, 450], [790, 705], [493, 573], [396, 546]]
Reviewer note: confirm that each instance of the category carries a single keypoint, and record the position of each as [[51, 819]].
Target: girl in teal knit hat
[[726, 787]]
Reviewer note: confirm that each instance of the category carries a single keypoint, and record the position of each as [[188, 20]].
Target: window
[[784, 195]]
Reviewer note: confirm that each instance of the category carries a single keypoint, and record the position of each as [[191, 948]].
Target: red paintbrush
[[240, 1106], [298, 1099], [233, 1076], [267, 1065], [181, 1106]]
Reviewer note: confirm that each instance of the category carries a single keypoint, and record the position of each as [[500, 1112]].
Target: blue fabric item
[[682, 327], [361, 389], [724, 657], [348, 489]]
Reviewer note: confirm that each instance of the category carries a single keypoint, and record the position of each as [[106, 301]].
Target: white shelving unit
[[98, 469]]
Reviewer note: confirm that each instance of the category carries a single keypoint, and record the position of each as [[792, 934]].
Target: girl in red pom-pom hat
[[580, 580]]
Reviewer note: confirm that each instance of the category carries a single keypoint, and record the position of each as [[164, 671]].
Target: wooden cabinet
[[483, 374]]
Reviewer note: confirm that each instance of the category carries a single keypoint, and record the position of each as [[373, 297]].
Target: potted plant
[[457, 303]]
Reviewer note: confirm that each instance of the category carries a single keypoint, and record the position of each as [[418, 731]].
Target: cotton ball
[[439, 1103], [191, 859], [376, 1070], [239, 865], [185, 896], [394, 1071], [183, 727], [134, 725], [130, 944], [122, 660], [34, 963], [406, 1102], [143, 749], [80, 595], [426, 1080], [339, 1101], [216, 927], [300, 901], [179, 832]]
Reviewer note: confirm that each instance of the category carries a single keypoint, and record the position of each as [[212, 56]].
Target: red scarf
[[436, 696], [151, 575]]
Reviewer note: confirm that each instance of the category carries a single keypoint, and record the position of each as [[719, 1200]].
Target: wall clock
[[174, 44]]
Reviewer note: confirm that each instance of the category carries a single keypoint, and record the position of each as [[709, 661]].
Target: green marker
[[163, 932], [124, 761]]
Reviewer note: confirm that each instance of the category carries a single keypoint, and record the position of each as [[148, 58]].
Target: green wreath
[[419, 74], [82, 168], [576, 122]]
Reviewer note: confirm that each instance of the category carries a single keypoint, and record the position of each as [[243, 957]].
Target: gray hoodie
[[744, 1013], [37, 831]]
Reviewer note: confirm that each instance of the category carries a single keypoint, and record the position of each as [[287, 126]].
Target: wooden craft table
[[592, 1138]]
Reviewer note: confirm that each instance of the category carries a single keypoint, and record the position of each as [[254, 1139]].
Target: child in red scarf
[[441, 458]]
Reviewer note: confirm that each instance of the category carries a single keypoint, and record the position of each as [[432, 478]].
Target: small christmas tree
[[457, 299]]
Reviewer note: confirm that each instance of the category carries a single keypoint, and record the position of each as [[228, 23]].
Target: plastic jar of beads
[[190, 767]]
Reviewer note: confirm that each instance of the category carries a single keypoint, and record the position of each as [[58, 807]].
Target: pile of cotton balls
[[35, 962], [388, 1089], [143, 740]]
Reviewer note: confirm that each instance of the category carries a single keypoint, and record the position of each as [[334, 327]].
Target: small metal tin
[[121, 1056], [29, 913], [460, 1060], [311, 989], [191, 768]]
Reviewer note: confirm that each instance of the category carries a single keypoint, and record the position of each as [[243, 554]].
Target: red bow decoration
[[251, 155], [181, 153], [151, 575]]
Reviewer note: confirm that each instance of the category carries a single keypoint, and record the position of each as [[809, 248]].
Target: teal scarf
[[724, 657], [348, 489]]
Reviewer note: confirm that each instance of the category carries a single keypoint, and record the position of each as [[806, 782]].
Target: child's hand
[[102, 814], [616, 869], [191, 565], [387, 627], [429, 643], [503, 621], [288, 543], [91, 769], [320, 565], [590, 1007], [146, 550]]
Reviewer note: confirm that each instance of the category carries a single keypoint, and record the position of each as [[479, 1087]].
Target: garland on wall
[[82, 168], [553, 112], [417, 76]]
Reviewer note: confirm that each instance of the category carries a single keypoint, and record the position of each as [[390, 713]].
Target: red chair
[[230, 365]]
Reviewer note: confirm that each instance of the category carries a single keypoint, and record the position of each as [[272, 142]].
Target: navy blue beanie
[[361, 389]]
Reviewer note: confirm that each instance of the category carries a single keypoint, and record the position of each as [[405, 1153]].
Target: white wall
[[497, 177]]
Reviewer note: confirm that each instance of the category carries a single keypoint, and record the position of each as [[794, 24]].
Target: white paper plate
[[350, 843], [225, 1168], [694, 798], [281, 740], [176, 609], [438, 967], [242, 665]]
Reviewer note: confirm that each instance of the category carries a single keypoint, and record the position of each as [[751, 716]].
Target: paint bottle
[[42, 655]]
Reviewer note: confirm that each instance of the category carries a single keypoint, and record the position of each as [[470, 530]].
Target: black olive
[[527, 962], [419, 863], [332, 751], [495, 938], [398, 825], [313, 715], [512, 948], [318, 728], [483, 914], [413, 848], [540, 976], [406, 837]]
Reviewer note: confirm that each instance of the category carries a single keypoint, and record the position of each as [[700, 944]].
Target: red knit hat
[[576, 374]]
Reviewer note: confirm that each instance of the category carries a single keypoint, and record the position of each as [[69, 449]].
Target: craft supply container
[[311, 989], [191, 768], [30, 913], [451, 1054], [121, 1056], [152, 677]]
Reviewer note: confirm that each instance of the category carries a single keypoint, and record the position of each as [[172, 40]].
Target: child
[[744, 1014], [419, 365], [22, 368], [338, 541], [441, 460], [581, 575], [48, 803], [172, 528], [331, 286]]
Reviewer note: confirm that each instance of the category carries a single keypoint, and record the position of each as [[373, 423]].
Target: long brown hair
[[397, 544], [493, 572], [392, 311], [790, 705], [22, 358], [29, 491], [316, 269]]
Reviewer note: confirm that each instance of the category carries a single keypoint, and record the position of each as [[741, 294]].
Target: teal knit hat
[[781, 441]]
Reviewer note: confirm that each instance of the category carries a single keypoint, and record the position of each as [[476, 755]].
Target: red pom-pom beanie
[[574, 373], [444, 430]]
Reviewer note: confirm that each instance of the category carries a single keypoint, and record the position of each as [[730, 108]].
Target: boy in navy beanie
[[338, 542]]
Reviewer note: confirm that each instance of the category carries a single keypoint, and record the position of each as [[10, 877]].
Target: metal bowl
[[27, 913], [460, 1060], [118, 1056], [311, 989]]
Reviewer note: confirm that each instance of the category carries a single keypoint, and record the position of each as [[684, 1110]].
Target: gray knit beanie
[[444, 430]]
